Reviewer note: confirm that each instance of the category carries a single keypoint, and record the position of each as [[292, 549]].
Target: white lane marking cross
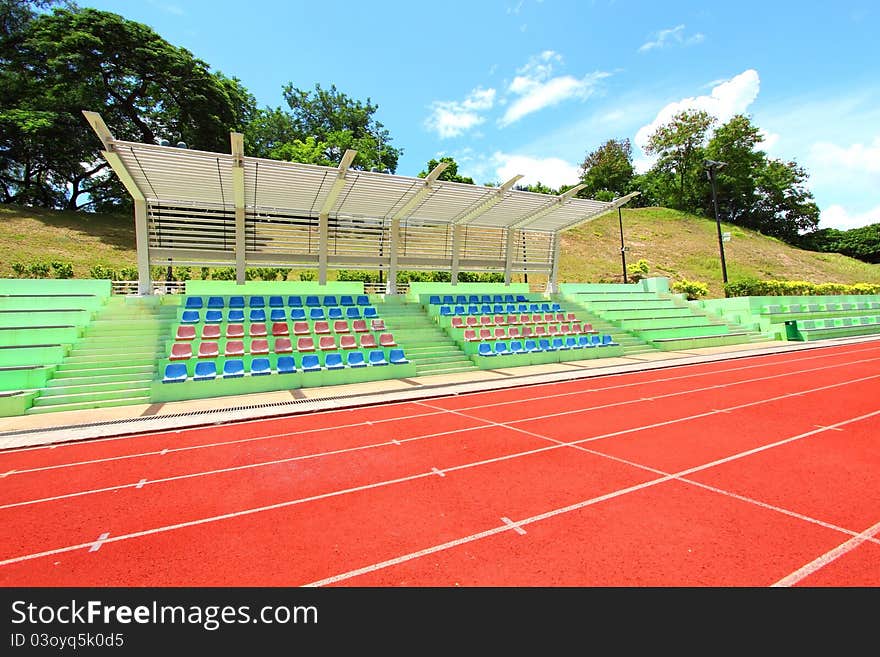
[[510, 523], [141, 483], [98, 543], [437, 472]]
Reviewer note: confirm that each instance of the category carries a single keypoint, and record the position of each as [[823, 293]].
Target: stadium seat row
[[472, 321], [277, 314], [505, 333], [496, 309], [258, 329], [438, 300], [545, 344], [293, 301], [207, 370], [210, 349]]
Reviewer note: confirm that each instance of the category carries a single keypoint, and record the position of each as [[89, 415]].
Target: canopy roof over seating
[[213, 184]]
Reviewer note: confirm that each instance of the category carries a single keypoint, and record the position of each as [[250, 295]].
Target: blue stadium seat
[[297, 313], [461, 299], [236, 315], [363, 300], [190, 317], [312, 301], [352, 312], [508, 298], [205, 370], [175, 373], [370, 311], [473, 310], [501, 349], [485, 349], [355, 359], [213, 316], [333, 361], [510, 308], [522, 308], [286, 365], [520, 298], [193, 303], [531, 346], [434, 300], [486, 309], [236, 302], [260, 366], [294, 301], [546, 345], [460, 310], [555, 307], [534, 307], [257, 302], [559, 344], [334, 313], [448, 300], [396, 357], [310, 363], [377, 357], [595, 340], [498, 308], [316, 313], [473, 298], [346, 300], [446, 311], [330, 300], [516, 347], [233, 368], [584, 342], [276, 302], [216, 302], [258, 315], [497, 298], [571, 342], [545, 307], [608, 341], [277, 314], [485, 299]]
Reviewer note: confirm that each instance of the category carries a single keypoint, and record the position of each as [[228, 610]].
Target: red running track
[[755, 471]]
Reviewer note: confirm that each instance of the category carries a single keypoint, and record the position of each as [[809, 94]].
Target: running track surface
[[757, 471]]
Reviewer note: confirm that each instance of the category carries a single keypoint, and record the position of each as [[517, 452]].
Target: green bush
[[102, 272], [38, 270], [691, 289], [307, 276], [62, 269], [753, 287], [638, 270], [20, 269]]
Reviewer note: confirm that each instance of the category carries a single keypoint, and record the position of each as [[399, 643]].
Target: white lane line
[[824, 427], [555, 512], [246, 466], [437, 472], [513, 525], [755, 365], [395, 442], [828, 557], [6, 474], [409, 478], [163, 452], [141, 483], [99, 542]]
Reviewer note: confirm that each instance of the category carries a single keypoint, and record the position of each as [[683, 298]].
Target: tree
[[607, 171], [537, 187], [144, 87], [450, 173], [784, 206], [735, 143], [680, 147]]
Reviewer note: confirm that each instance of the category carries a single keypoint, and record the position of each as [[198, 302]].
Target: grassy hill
[[675, 244]]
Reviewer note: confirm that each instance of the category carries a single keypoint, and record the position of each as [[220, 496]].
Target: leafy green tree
[[537, 187], [785, 206], [608, 170], [450, 173], [735, 143], [144, 87], [680, 145]]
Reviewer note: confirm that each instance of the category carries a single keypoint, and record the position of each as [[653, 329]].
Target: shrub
[[752, 287], [691, 289], [38, 270], [638, 270], [20, 269], [62, 269], [307, 276]]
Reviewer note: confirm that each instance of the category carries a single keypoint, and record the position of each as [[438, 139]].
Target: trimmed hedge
[[753, 287]]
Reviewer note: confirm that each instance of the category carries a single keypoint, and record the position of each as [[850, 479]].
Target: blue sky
[[531, 86]]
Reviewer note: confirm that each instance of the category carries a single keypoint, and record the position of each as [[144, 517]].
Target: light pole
[[622, 247], [711, 167]]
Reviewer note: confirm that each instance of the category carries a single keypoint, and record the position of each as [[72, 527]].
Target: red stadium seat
[[368, 341], [340, 326], [258, 330], [301, 328], [457, 322], [283, 346], [260, 346], [485, 334], [322, 327], [347, 342], [181, 351], [387, 340], [208, 350], [234, 348], [470, 335], [234, 331], [471, 320], [359, 326], [210, 331], [305, 344], [327, 343], [280, 328], [377, 324], [185, 332]]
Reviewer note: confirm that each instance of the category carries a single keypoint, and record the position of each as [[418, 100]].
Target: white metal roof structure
[[207, 209]]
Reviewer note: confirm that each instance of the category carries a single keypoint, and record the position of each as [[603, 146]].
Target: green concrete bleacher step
[[86, 405], [91, 395], [64, 381]]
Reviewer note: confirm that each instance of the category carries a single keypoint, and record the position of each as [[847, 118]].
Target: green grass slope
[[675, 244]]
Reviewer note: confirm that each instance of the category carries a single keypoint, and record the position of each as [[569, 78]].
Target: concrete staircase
[[422, 340], [114, 363], [631, 344]]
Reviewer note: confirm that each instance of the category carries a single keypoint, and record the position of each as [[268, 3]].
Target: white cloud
[[672, 36], [536, 89], [836, 216], [726, 99], [768, 140], [551, 171], [857, 158], [450, 118]]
